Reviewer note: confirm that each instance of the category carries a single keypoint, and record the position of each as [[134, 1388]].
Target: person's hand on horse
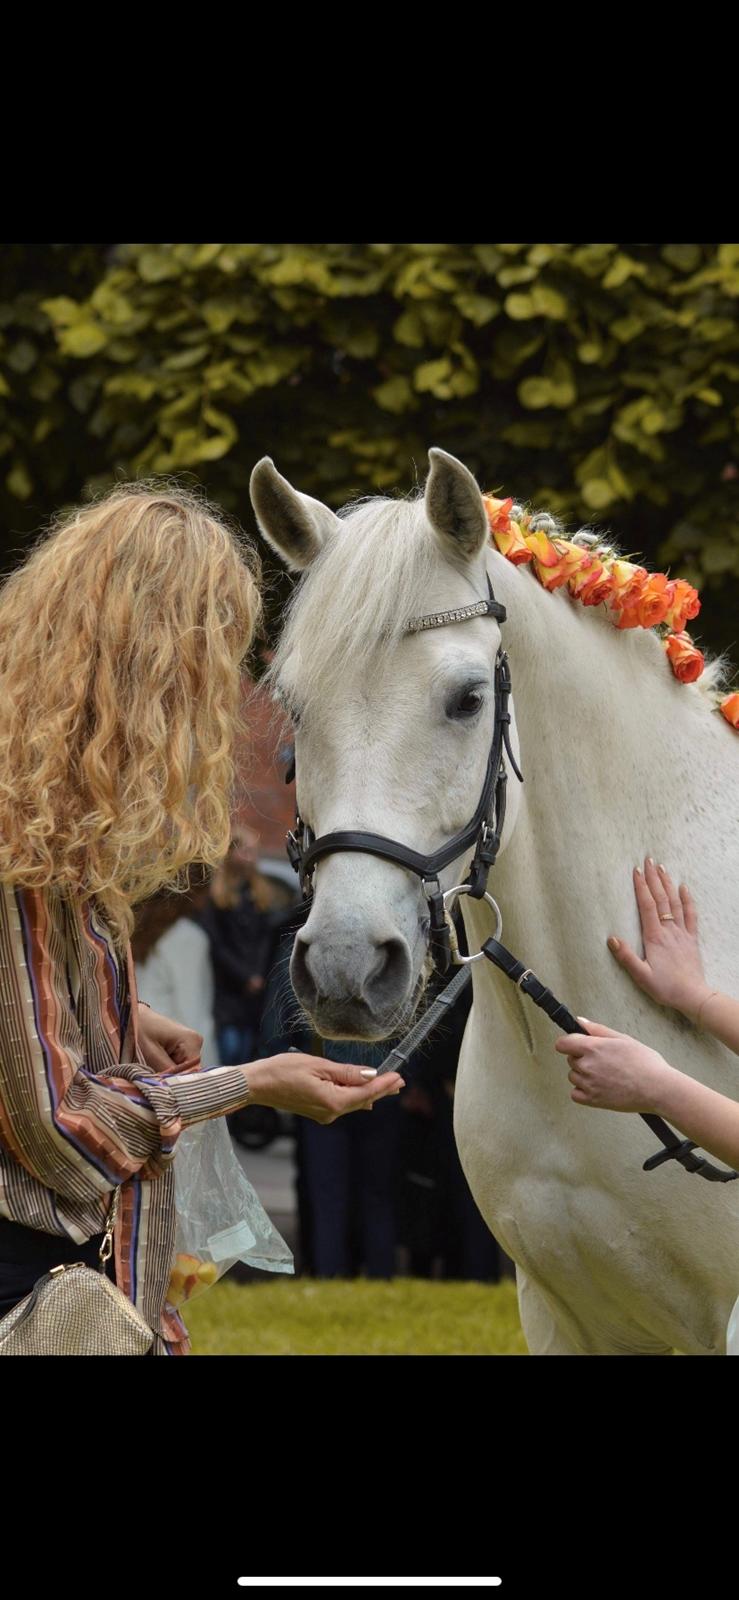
[[671, 969], [613, 1071], [309, 1086]]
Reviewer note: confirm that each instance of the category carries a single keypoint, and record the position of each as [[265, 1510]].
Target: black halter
[[485, 834]]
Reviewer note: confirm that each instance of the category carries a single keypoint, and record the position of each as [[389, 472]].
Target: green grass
[[407, 1317]]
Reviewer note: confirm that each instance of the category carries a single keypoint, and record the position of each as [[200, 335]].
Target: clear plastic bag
[[220, 1218]]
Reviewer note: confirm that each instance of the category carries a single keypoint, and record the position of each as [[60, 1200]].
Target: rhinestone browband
[[439, 619]]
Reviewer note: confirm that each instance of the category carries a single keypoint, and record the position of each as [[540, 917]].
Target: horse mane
[[339, 612]]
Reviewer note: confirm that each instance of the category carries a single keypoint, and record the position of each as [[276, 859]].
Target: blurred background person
[[174, 972], [349, 1201], [234, 917]]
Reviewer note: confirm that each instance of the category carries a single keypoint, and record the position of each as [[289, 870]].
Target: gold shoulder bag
[[75, 1310]]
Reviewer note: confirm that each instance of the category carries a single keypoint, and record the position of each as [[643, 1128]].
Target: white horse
[[392, 736]]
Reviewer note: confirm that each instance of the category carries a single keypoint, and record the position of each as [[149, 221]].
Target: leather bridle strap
[[680, 1150], [675, 1149]]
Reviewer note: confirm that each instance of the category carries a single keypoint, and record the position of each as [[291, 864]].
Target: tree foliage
[[598, 381]]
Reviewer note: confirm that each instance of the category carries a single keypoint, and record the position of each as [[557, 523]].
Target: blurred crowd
[[377, 1195]]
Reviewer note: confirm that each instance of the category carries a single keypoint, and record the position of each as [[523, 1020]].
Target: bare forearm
[[715, 1013], [708, 1118]]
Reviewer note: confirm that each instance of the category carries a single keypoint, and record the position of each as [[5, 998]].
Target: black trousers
[[26, 1254]]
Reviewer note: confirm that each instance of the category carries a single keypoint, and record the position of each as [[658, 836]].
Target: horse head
[[393, 728]]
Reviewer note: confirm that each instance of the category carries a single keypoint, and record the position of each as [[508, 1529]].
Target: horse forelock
[[356, 598]]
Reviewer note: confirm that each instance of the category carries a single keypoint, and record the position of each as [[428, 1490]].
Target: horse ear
[[454, 506], [294, 524]]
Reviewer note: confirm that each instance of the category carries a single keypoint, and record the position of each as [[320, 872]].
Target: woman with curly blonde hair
[[122, 638]]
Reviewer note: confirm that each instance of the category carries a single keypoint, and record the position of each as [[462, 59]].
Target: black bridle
[[483, 831]]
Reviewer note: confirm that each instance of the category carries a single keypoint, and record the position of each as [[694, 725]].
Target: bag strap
[[106, 1248]]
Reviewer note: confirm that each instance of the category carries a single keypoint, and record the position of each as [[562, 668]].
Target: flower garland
[[637, 598]]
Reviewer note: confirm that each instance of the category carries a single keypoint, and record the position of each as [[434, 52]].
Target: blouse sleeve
[[78, 1131]]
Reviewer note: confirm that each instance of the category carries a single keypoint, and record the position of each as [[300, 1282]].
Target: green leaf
[[477, 308], [62, 311], [535, 393], [520, 307], [396, 394], [186, 358], [204, 254], [112, 306], [226, 429], [549, 302], [590, 351], [686, 257], [363, 343], [620, 483], [627, 328], [156, 264], [715, 557], [621, 269], [598, 493], [540, 254], [83, 339], [219, 314], [139, 384], [19, 482], [488, 255], [409, 329], [510, 275], [714, 328], [21, 356], [433, 376]]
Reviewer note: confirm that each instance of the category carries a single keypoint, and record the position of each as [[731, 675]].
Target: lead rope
[[675, 1149]]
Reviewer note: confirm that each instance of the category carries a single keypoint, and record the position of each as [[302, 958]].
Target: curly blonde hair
[[121, 639]]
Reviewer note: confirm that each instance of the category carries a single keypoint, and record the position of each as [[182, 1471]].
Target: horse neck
[[619, 761]]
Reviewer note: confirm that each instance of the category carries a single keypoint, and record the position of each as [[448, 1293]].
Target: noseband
[[483, 831]]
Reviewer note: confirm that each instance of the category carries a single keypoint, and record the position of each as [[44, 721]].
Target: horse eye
[[465, 704]]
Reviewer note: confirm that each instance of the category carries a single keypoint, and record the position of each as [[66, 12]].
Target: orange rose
[[654, 602], [499, 512], [552, 562], [684, 604], [598, 589], [628, 582], [591, 582], [629, 585], [506, 533], [511, 544], [730, 709], [684, 657], [569, 559], [542, 549]]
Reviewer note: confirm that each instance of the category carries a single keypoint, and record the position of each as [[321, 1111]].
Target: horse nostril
[[299, 972], [391, 971]]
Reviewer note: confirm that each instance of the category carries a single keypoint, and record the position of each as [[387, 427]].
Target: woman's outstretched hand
[[309, 1086], [671, 969]]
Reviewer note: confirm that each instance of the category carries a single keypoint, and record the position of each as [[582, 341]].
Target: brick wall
[[270, 803]]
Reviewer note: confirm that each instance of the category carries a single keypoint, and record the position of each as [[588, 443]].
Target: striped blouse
[[80, 1110]]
